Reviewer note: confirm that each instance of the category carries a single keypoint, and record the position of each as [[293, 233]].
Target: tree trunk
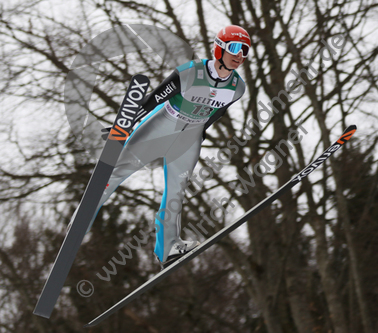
[[295, 278], [328, 281], [345, 218]]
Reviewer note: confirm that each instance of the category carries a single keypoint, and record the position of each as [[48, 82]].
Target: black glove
[[106, 131]]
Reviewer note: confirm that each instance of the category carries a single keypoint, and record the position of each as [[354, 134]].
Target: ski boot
[[178, 250]]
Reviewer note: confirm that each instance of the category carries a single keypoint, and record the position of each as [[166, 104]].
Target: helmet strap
[[222, 63]]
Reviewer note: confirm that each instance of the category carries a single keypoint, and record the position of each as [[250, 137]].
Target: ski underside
[[228, 229], [118, 135]]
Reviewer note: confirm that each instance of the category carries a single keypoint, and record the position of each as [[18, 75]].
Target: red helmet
[[228, 34]]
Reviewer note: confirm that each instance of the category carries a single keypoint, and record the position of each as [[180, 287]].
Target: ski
[[228, 229], [113, 146]]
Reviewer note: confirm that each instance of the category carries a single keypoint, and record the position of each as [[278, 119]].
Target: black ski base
[[118, 135]]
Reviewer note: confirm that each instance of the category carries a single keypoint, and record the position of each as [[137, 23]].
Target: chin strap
[[222, 63]]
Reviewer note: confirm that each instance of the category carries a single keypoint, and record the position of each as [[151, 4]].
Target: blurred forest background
[[306, 264]]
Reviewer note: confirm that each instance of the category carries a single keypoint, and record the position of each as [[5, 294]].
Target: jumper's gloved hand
[[106, 131]]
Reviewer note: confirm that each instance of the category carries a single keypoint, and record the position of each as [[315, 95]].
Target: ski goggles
[[234, 47]]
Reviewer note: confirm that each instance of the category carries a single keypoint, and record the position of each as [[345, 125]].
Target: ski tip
[[141, 77], [348, 133], [351, 128]]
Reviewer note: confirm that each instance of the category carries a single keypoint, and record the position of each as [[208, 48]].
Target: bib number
[[202, 110]]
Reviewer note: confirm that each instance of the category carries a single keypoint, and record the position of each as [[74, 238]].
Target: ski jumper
[[180, 110]]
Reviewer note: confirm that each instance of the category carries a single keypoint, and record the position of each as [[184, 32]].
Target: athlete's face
[[233, 61]]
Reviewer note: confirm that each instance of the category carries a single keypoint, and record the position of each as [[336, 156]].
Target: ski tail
[[228, 229]]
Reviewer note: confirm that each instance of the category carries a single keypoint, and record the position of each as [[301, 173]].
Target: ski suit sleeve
[[166, 90], [220, 113]]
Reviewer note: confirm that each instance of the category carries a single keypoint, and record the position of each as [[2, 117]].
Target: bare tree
[[306, 264]]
